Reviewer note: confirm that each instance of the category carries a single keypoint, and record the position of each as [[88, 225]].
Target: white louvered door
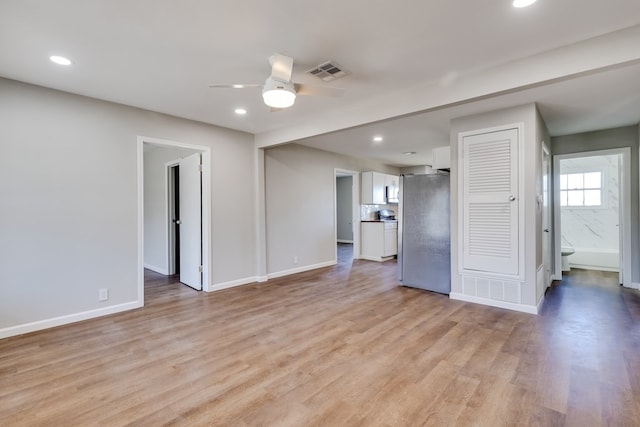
[[490, 202]]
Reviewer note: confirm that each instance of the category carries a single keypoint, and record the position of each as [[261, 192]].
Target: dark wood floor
[[337, 346]]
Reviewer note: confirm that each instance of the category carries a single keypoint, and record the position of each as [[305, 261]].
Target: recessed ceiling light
[[60, 60], [523, 3], [377, 139], [240, 111], [409, 153], [237, 86]]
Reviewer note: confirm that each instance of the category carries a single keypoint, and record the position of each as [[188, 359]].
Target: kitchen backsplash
[[369, 212]]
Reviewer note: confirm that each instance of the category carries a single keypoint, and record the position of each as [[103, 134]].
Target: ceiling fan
[[278, 91]]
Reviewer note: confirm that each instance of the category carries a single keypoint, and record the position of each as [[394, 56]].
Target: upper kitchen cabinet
[[392, 187], [373, 188], [441, 158], [379, 188]]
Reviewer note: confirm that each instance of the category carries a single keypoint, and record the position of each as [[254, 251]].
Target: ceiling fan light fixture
[[278, 94]]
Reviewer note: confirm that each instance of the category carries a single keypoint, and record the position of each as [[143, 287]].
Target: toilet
[[565, 252]]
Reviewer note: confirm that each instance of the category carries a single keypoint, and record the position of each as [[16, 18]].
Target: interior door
[[490, 202], [546, 216], [190, 195]]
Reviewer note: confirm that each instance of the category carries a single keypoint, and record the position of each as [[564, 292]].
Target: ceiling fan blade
[[281, 67], [236, 86], [303, 89]]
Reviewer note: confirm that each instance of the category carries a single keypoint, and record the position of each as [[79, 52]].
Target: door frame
[[206, 208], [355, 207], [624, 208], [548, 260]]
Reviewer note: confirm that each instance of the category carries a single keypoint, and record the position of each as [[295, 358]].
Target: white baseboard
[[65, 320], [495, 303], [248, 280], [300, 269], [232, 284], [633, 285], [345, 241], [158, 270], [540, 302]]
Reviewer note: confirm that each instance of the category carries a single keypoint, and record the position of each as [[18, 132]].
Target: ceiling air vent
[[328, 71]]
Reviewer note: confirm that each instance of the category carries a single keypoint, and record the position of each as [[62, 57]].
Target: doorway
[[592, 212], [346, 215], [173, 192], [161, 227]]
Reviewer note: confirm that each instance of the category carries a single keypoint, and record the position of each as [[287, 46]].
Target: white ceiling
[[161, 55], [592, 102]]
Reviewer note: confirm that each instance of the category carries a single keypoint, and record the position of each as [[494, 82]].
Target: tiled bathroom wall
[[593, 231]]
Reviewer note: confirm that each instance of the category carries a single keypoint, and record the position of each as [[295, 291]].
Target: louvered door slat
[[490, 181]]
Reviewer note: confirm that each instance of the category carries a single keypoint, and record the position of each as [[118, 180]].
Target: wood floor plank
[[342, 345]]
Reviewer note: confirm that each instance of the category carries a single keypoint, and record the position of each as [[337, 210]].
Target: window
[[581, 189]]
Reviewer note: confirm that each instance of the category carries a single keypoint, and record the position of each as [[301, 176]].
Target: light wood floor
[[331, 347]]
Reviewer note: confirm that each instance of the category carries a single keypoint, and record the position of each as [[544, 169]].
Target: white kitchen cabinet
[[390, 239], [390, 180], [392, 185], [379, 240], [374, 185], [441, 158]]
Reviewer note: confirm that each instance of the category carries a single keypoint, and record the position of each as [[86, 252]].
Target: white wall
[[68, 184], [299, 185], [531, 174], [156, 244]]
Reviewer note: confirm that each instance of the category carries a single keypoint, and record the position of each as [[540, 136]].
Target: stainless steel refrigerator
[[424, 247]]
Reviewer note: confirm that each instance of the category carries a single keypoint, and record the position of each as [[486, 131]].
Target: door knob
[[546, 230], [512, 198]]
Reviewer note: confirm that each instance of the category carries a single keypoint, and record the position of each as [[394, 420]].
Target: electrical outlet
[[295, 259], [103, 294]]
